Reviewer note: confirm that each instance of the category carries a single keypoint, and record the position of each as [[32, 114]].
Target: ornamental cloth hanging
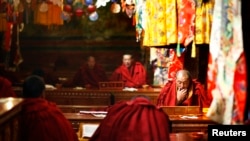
[[186, 17], [160, 25], [226, 49]]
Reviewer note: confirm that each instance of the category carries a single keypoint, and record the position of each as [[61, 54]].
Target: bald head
[[183, 73], [91, 62], [127, 60], [183, 79]]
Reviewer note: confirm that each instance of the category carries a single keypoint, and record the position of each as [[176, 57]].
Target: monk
[[134, 120], [131, 72], [10, 74], [49, 76], [183, 91], [6, 89], [41, 120], [90, 74]]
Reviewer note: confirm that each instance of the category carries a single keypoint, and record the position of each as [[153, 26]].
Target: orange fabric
[[41, 120], [54, 14], [167, 96], [135, 120], [92, 77], [133, 77], [211, 75], [6, 88], [41, 18], [7, 36], [240, 88], [176, 64], [186, 21]]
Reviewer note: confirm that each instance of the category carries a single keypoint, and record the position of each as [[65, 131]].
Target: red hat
[[133, 120]]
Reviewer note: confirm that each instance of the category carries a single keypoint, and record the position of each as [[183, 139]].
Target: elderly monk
[[6, 89], [183, 91], [132, 73], [135, 120], [90, 74], [41, 120]]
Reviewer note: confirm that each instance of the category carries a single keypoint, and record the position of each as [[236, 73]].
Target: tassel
[[178, 50], [193, 50]]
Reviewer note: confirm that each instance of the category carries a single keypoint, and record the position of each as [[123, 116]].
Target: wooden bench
[[79, 97], [70, 96], [111, 85], [10, 109], [187, 118], [182, 110], [78, 108], [177, 123]]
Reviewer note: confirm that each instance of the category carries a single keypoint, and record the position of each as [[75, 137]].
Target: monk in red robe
[[183, 91], [133, 74], [135, 120], [90, 74], [41, 120], [11, 75], [6, 89]]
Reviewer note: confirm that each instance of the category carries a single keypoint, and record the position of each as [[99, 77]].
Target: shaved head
[[127, 60], [183, 79], [183, 73], [91, 62]]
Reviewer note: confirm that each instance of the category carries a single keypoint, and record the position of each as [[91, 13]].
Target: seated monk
[[133, 74], [48, 76], [11, 75], [41, 120], [134, 120], [90, 74], [6, 89], [183, 91]]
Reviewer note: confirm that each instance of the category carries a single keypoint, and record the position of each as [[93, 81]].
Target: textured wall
[[65, 56]]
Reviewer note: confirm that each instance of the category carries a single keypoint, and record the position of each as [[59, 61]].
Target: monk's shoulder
[[138, 63], [168, 85], [196, 83]]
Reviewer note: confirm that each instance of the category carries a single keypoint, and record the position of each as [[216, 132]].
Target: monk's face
[[182, 81], [127, 60], [91, 62]]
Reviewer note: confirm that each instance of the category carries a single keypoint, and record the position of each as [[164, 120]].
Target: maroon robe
[[6, 88], [199, 97], [135, 120], [133, 77], [41, 120], [86, 76]]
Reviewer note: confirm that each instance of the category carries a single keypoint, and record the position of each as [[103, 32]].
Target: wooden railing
[[79, 97], [70, 96], [10, 109]]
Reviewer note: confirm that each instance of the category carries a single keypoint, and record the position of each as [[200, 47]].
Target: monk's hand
[[181, 95]]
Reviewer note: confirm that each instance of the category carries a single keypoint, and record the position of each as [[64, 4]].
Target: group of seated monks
[[135, 119], [181, 91], [132, 120], [43, 120], [131, 73]]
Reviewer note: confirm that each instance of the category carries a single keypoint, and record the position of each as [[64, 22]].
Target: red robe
[[136, 120], [199, 97], [6, 88], [86, 76], [133, 77], [41, 120]]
